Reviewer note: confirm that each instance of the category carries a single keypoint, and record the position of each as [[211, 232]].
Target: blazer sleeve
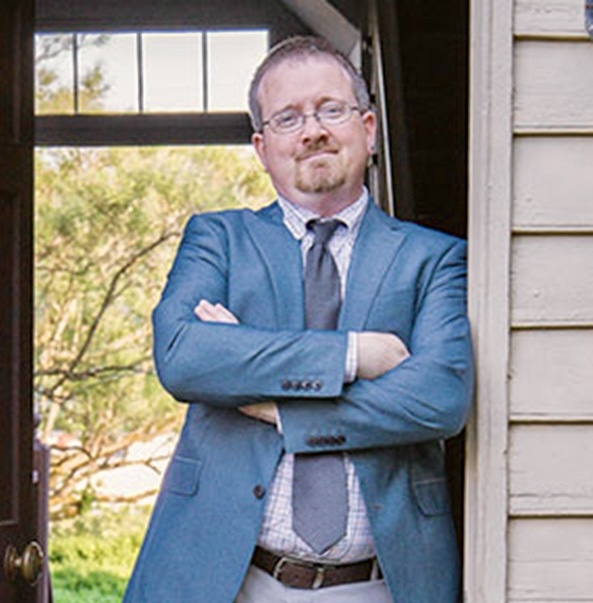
[[232, 365], [427, 397]]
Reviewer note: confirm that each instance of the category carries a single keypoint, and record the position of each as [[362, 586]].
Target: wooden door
[[19, 559]]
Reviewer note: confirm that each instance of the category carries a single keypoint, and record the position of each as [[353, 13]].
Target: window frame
[[170, 128], [202, 126]]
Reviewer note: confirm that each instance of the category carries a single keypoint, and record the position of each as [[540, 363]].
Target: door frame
[[18, 505], [489, 236]]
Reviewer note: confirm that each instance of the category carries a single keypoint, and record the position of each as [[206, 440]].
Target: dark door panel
[[19, 557]]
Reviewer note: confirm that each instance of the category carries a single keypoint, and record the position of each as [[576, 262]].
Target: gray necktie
[[320, 498]]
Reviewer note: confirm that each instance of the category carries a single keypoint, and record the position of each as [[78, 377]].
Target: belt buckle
[[276, 572], [319, 570], [319, 577]]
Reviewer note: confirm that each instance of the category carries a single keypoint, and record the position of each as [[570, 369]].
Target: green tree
[[53, 94], [108, 222]]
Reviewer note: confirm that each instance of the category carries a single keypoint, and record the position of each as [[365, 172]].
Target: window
[[145, 87]]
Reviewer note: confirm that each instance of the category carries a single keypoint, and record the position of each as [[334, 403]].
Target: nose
[[313, 127]]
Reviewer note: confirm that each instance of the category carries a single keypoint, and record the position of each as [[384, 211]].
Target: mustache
[[315, 147]]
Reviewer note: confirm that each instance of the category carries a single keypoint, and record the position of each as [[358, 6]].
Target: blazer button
[[316, 385], [286, 385], [259, 491]]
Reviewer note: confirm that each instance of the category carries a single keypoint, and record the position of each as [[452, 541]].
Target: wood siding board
[[553, 84], [551, 373], [537, 17], [552, 230], [553, 182], [550, 475], [551, 470], [551, 130], [550, 560], [552, 279]]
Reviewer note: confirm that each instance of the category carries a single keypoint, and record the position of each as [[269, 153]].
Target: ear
[[369, 121], [259, 144]]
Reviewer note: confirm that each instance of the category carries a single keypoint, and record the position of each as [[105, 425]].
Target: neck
[[324, 205]]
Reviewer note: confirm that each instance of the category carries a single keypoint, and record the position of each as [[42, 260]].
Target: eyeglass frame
[[303, 117]]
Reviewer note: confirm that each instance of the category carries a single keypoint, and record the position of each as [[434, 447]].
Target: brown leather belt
[[303, 574]]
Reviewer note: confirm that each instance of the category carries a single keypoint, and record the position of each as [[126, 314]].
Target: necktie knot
[[323, 231]]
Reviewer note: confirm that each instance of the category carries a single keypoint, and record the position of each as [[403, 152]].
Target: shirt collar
[[296, 217]]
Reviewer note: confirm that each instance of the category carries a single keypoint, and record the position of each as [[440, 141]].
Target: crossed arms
[[404, 393], [377, 353]]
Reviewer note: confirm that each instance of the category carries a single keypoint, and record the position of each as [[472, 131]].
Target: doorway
[[429, 166]]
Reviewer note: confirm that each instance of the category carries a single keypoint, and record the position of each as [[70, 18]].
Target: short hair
[[300, 48]]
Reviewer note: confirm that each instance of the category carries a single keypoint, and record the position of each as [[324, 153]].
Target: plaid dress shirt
[[277, 534]]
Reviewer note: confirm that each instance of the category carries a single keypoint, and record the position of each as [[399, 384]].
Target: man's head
[[314, 128], [302, 48]]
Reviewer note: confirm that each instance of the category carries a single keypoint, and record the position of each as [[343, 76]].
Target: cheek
[[357, 152], [280, 157], [280, 167]]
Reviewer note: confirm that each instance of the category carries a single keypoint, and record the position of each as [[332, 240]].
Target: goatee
[[320, 174]]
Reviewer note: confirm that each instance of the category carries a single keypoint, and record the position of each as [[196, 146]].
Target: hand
[[208, 312], [214, 313], [263, 411], [379, 353]]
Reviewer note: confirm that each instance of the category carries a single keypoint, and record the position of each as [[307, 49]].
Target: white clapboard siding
[[553, 85], [551, 374], [553, 181], [551, 469], [545, 17], [551, 561], [552, 280]]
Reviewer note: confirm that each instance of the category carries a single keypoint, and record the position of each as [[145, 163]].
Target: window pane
[[232, 58], [108, 73], [54, 74], [172, 67]]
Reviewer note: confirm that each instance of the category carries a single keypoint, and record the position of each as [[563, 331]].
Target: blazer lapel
[[377, 244], [281, 254]]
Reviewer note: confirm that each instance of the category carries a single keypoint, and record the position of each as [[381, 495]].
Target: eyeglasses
[[330, 113]]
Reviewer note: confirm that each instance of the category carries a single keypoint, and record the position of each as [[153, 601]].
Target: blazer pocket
[[183, 475], [432, 496]]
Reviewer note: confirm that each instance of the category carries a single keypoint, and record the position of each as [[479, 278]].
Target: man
[[324, 353]]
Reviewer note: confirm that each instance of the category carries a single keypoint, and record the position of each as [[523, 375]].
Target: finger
[[402, 348], [209, 312], [263, 411], [249, 411], [205, 310], [225, 314]]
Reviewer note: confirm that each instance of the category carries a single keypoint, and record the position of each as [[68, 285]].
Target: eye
[[332, 110], [286, 120]]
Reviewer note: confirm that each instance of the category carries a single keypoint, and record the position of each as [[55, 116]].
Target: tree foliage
[[52, 95]]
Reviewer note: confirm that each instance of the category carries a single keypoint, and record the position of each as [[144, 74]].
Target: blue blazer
[[403, 279]]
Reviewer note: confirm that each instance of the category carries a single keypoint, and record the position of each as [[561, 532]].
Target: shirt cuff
[[351, 358]]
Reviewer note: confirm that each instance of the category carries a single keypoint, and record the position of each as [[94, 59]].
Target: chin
[[320, 183]]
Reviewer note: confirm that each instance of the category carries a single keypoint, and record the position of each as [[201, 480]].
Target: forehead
[[304, 80]]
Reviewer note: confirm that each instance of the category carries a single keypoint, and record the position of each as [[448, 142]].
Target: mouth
[[316, 154]]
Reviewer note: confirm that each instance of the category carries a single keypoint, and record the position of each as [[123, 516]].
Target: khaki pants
[[260, 587]]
